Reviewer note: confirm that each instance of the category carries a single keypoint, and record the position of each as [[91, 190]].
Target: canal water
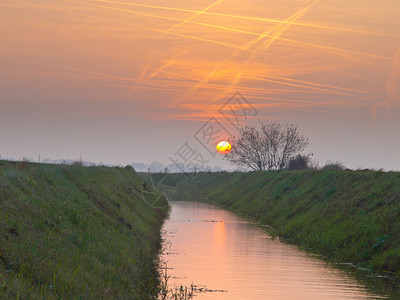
[[226, 257]]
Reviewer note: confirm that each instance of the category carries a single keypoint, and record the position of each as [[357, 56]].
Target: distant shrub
[[128, 168], [22, 164], [78, 162], [300, 162], [334, 165]]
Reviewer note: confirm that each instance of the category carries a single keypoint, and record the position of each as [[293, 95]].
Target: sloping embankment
[[348, 216], [77, 232]]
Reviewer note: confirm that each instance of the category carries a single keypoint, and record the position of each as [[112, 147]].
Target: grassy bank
[[348, 216], [77, 233]]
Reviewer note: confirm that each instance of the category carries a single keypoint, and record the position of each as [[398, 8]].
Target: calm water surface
[[215, 249]]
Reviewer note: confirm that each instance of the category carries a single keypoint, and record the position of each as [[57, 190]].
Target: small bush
[[334, 165], [78, 162], [300, 162]]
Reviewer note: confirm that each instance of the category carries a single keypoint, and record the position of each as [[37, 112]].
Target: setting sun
[[224, 147], [146, 139]]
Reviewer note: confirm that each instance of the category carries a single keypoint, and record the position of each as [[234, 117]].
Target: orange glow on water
[[236, 260], [219, 234]]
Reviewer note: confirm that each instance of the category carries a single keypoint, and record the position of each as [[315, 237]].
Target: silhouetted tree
[[300, 162], [269, 147]]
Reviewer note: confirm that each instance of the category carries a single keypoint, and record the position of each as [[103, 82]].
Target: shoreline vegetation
[[346, 216], [68, 231]]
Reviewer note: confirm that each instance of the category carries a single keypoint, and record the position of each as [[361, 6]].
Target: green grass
[[77, 232], [348, 216]]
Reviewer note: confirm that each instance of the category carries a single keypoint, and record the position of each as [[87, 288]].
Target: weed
[[173, 293]]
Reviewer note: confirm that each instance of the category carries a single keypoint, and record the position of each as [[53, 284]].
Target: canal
[[226, 257]]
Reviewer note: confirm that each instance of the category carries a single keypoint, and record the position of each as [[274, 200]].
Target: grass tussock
[[348, 216], [77, 232], [173, 293]]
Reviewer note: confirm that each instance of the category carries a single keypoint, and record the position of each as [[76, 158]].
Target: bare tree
[[269, 147]]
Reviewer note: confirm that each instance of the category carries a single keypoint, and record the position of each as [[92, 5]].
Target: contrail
[[333, 103], [336, 50], [145, 69], [159, 30], [176, 83], [299, 85], [249, 18], [392, 86], [99, 74], [167, 64], [93, 74], [247, 89], [333, 50], [310, 83], [201, 39], [359, 13], [196, 14], [123, 10], [279, 31], [246, 46], [287, 21], [277, 105], [329, 106]]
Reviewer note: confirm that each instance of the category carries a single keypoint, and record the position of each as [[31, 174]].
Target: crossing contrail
[[251, 47], [167, 64], [247, 18], [196, 14], [246, 47], [276, 32], [178, 83]]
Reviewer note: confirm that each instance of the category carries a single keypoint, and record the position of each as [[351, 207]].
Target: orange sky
[[124, 81]]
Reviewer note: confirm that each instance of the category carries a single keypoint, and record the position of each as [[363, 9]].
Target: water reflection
[[214, 248], [219, 235]]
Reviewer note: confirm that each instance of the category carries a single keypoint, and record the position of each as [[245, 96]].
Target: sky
[[138, 81]]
